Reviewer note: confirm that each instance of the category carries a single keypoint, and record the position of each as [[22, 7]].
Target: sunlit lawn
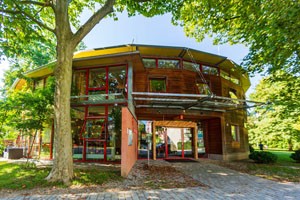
[[18, 176], [285, 169]]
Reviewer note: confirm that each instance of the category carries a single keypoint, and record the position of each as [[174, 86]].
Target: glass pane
[[142, 139], [160, 135], [79, 83], [233, 133], [172, 64], [235, 80], [205, 69], [203, 88], [97, 78], [225, 75], [190, 66], [114, 133], [94, 150], [188, 142], [174, 141], [201, 148], [214, 71], [117, 80], [39, 84], [77, 121], [149, 62], [157, 85], [95, 129], [210, 70]]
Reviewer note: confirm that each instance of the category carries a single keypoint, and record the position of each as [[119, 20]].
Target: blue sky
[[154, 31]]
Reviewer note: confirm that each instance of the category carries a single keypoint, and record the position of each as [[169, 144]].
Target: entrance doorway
[[173, 142]]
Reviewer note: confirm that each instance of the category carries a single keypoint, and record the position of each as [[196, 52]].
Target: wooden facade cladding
[[213, 136], [177, 81]]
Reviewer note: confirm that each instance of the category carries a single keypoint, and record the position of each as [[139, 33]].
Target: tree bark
[[63, 161], [62, 169]]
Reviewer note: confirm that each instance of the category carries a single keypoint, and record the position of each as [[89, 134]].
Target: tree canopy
[[28, 25], [275, 124], [26, 22], [270, 28]]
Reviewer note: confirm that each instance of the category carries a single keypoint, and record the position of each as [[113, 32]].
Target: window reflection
[[95, 129], [97, 78], [210, 70], [169, 64], [149, 62], [191, 66], [117, 79], [157, 85], [203, 88]]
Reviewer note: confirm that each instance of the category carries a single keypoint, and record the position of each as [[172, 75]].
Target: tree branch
[[47, 3], [44, 4], [106, 9], [231, 18], [35, 20], [10, 11]]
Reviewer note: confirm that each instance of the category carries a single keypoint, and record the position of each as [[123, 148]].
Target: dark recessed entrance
[[169, 139]]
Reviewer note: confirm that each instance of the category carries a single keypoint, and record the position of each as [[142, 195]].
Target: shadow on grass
[[20, 176]]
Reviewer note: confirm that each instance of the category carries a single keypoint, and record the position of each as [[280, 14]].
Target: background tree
[[27, 111], [275, 124], [270, 28], [24, 21]]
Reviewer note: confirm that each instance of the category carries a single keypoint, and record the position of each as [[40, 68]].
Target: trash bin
[[13, 153]]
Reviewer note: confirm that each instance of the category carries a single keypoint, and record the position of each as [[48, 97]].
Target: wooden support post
[[195, 138], [154, 140]]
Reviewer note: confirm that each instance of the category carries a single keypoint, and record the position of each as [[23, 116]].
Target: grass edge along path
[[20, 176], [284, 170]]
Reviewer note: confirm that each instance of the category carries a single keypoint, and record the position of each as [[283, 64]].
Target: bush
[[251, 149], [296, 156], [263, 157]]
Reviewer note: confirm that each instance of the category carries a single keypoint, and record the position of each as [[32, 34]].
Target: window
[[235, 80], [233, 93], [191, 66], [149, 62], [157, 85], [210, 70], [117, 79], [79, 83], [168, 64], [97, 78], [225, 75], [39, 84], [235, 133], [203, 88]]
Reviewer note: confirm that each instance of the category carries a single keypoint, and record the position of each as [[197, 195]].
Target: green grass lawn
[[285, 168], [19, 176]]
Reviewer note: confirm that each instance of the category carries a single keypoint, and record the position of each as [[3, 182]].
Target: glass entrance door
[[173, 142]]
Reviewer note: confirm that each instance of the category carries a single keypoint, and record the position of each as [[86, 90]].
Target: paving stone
[[222, 184]]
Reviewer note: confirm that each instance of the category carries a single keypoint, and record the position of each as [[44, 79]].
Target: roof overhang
[[108, 55]]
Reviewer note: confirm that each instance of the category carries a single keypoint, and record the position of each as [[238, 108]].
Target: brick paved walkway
[[222, 184]]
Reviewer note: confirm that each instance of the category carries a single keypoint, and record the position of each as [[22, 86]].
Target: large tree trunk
[[66, 42], [63, 161]]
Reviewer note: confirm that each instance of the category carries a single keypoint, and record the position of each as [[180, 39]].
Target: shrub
[[296, 156], [263, 157], [251, 149]]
